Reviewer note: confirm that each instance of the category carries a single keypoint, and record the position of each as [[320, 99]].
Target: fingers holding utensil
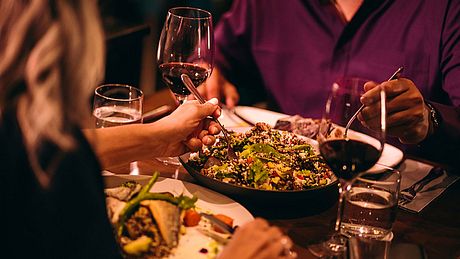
[[258, 240], [407, 114]]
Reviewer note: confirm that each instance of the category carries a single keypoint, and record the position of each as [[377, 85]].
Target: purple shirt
[[295, 49]]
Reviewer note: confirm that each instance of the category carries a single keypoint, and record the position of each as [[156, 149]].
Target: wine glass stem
[[343, 186]]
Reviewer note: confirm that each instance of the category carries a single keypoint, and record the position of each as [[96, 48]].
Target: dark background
[[132, 30]]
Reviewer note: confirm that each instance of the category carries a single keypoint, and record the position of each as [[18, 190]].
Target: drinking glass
[[116, 105], [370, 205], [347, 156], [369, 213], [364, 248], [186, 46]]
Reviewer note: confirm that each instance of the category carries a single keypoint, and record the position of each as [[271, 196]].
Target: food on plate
[[191, 218], [151, 225], [267, 159], [167, 217], [225, 219], [307, 127]]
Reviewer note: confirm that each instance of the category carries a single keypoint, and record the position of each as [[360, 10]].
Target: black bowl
[[302, 202]]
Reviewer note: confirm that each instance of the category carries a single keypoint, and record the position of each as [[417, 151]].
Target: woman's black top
[[65, 220]]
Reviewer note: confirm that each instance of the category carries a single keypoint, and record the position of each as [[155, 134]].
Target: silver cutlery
[[230, 230], [191, 87], [157, 113], [392, 77], [224, 227], [408, 194]]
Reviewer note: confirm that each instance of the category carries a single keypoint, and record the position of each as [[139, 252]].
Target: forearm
[[124, 144]]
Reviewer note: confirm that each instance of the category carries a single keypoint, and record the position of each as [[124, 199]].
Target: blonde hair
[[52, 56]]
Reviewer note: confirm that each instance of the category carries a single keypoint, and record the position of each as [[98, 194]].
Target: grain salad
[[267, 159]]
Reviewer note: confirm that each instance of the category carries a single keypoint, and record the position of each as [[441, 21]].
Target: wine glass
[[186, 46], [116, 105], [348, 155]]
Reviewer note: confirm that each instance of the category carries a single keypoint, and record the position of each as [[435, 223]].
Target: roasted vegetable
[[224, 218], [182, 202], [267, 159], [191, 218], [138, 246]]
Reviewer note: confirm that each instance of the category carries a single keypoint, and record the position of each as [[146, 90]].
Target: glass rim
[[207, 17], [131, 88], [388, 181], [343, 84], [352, 78]]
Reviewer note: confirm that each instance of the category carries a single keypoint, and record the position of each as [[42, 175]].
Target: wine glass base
[[335, 247], [169, 160]]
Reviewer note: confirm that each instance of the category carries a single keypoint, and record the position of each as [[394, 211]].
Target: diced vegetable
[[224, 218], [182, 201], [138, 246], [267, 159], [191, 218]]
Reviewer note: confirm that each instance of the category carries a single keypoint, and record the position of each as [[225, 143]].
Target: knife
[[157, 113], [226, 228]]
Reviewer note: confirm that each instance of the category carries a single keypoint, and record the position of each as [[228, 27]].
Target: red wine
[[171, 73], [347, 157]]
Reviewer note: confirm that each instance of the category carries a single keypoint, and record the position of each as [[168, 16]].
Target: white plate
[[208, 200], [391, 155], [254, 115]]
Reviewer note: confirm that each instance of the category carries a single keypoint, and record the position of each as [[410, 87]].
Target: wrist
[[434, 119]]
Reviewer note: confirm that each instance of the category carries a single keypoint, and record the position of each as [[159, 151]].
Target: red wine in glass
[[185, 46], [349, 157], [171, 73]]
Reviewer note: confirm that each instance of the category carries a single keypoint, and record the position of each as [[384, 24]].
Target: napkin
[[412, 171]]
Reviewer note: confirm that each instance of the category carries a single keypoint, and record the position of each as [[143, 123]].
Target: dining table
[[435, 229]]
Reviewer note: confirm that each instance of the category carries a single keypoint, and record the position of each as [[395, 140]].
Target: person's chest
[[303, 46]]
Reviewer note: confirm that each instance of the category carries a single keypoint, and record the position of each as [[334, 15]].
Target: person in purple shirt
[[291, 52]]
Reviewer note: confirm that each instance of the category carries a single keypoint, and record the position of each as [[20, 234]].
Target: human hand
[[188, 128], [218, 87], [258, 240], [407, 114]]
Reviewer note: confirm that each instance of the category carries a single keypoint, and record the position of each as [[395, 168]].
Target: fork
[[408, 194], [191, 87], [395, 75]]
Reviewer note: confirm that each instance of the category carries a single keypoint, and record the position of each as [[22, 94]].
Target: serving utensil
[[408, 194], [395, 75], [191, 87]]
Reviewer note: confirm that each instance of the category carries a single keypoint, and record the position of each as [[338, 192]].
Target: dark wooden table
[[436, 228]]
